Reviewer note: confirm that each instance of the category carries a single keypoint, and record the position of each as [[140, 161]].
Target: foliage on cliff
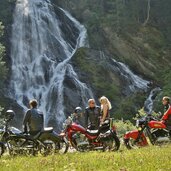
[[136, 33], [133, 32], [124, 29]]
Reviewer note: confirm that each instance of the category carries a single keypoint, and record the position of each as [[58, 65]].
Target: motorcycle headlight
[[67, 122], [139, 128]]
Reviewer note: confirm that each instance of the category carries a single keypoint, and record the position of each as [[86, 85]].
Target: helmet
[[9, 115], [78, 110]]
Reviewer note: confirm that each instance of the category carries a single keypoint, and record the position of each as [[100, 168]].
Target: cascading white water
[[137, 83], [40, 56], [132, 81], [148, 104]]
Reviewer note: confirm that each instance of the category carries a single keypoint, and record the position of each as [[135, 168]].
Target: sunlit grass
[[152, 158]]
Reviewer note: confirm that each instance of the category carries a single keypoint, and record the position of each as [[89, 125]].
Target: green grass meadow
[[152, 158]]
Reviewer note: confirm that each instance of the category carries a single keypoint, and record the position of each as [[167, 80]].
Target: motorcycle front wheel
[[130, 143], [134, 144], [62, 147]]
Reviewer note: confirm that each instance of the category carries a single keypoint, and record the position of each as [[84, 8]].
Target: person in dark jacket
[[34, 119], [92, 115]]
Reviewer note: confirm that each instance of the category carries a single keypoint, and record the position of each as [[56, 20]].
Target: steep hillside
[[119, 29], [132, 35], [6, 17]]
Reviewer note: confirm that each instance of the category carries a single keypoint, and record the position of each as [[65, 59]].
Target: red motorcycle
[[149, 127], [87, 140]]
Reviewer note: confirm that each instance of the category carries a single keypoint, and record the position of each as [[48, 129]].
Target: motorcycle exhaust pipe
[[162, 139]]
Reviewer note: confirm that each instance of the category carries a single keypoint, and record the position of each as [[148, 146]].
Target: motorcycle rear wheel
[[50, 147], [21, 146], [47, 147], [111, 142], [115, 143]]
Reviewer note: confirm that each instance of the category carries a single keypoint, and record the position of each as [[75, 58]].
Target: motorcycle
[[150, 127], [105, 138], [15, 141]]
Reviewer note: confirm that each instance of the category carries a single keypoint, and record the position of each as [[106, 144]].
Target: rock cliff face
[[118, 29], [126, 54], [132, 33]]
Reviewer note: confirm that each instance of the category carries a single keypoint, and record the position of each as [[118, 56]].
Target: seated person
[[34, 119]]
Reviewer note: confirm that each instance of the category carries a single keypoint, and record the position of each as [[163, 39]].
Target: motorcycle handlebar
[[150, 117]]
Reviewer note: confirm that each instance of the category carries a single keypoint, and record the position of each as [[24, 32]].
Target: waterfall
[[42, 46], [131, 81], [135, 83], [148, 104]]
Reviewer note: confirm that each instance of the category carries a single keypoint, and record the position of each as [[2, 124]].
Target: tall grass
[[151, 158]]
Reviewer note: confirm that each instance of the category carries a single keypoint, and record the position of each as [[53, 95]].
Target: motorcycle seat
[[39, 133], [93, 132]]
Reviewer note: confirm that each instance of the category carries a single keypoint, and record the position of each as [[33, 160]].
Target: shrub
[[123, 127]]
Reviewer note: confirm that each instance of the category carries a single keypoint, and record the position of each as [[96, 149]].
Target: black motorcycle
[[15, 141]]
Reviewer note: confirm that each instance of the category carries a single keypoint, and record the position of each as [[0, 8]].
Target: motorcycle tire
[[63, 147], [129, 143], [116, 142], [21, 146], [47, 147], [132, 143]]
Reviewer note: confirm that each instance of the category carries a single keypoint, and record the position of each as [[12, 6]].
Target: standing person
[[92, 115], [34, 119], [105, 107], [167, 112], [166, 103]]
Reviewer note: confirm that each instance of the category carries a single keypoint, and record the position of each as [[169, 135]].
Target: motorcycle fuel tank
[[156, 124], [78, 128]]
